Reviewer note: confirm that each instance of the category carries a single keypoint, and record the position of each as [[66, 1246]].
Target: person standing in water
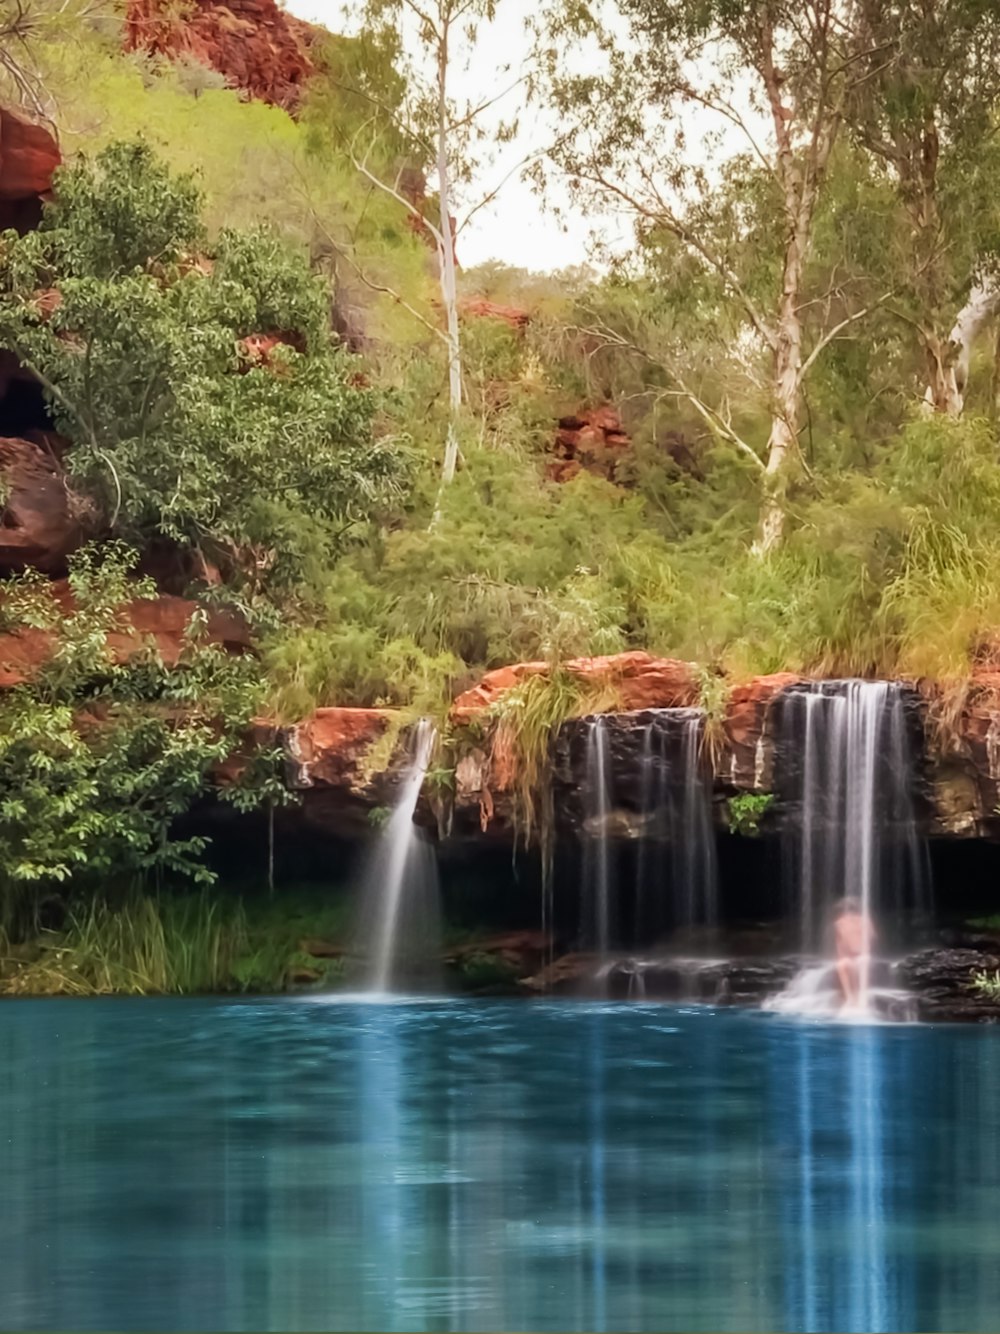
[[854, 936]]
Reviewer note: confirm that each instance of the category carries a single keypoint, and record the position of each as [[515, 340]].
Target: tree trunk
[[786, 390], [448, 276], [948, 362], [782, 445]]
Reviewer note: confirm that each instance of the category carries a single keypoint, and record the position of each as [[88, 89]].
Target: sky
[[518, 228]]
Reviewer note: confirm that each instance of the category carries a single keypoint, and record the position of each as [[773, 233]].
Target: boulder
[[330, 748], [29, 155], [592, 440], [328, 763], [745, 759], [481, 309], [638, 679], [941, 978]]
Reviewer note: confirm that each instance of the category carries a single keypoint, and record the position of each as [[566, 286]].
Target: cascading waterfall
[[678, 844], [400, 908], [852, 832], [669, 812]]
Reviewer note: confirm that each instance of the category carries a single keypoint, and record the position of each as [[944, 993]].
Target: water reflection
[[188, 1165]]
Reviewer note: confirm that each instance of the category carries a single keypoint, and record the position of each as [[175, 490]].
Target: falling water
[[847, 784], [597, 863], [678, 845], [399, 895], [666, 807]]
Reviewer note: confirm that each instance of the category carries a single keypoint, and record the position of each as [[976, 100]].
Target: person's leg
[[848, 977]]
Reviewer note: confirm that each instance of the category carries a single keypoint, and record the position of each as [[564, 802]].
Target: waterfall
[[678, 844], [597, 857], [399, 886], [657, 793], [846, 777]]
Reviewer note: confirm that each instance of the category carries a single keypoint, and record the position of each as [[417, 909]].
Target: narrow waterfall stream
[[667, 885], [852, 832], [597, 858], [677, 850], [400, 908]]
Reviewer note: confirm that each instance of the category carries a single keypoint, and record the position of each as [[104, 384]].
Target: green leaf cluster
[[99, 758]]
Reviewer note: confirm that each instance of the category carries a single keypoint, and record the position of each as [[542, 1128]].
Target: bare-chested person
[[854, 937]]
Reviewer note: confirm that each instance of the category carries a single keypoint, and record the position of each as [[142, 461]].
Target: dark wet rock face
[[704, 981], [942, 979]]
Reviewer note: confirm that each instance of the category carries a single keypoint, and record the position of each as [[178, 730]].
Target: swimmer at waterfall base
[[854, 936]]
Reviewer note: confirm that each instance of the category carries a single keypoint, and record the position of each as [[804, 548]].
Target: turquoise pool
[[299, 1165]]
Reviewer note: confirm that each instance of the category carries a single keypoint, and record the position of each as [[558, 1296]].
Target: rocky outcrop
[[738, 981], [254, 44], [745, 760], [29, 156], [330, 749], [345, 766], [637, 680], [478, 308], [942, 978], [592, 440], [344, 761], [161, 622]]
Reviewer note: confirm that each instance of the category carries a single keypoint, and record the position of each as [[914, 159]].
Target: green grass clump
[[524, 723], [746, 810], [144, 946], [191, 944]]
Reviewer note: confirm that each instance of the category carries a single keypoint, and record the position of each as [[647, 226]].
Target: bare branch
[[837, 329]]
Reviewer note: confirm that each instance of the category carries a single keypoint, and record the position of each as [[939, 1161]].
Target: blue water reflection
[[183, 1165]]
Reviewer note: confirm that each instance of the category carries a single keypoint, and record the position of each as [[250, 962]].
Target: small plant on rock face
[[987, 984], [746, 810]]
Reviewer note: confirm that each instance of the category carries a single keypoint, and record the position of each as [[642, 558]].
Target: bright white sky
[[516, 228]]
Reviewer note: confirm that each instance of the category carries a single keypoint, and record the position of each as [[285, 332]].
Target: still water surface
[[185, 1165]]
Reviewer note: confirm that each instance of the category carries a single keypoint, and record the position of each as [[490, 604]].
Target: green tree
[[927, 111], [183, 424], [771, 80], [433, 130]]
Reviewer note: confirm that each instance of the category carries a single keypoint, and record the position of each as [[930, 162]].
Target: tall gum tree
[[769, 77], [926, 109], [445, 134]]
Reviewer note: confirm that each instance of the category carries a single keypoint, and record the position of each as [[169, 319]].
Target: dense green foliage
[[179, 430], [99, 757]]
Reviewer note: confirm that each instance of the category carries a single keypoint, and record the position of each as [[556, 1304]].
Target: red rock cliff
[[254, 44]]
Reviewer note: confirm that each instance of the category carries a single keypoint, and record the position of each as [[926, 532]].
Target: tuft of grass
[[182, 945], [145, 946], [524, 723]]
